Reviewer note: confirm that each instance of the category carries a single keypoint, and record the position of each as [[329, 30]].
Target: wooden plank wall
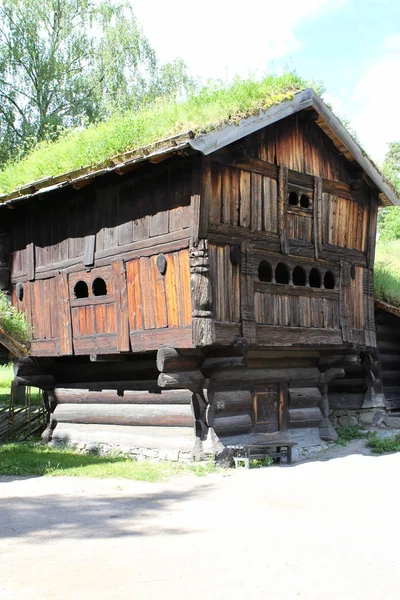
[[244, 190], [156, 301], [296, 311], [225, 284], [344, 222], [115, 232], [114, 218]]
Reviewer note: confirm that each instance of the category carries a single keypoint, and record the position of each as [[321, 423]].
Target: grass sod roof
[[92, 147]]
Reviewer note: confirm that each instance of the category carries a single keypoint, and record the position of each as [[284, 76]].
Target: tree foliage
[[67, 63], [389, 218]]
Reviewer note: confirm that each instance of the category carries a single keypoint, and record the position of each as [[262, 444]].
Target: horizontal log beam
[[191, 380], [121, 386], [234, 424], [305, 417], [304, 397], [297, 375], [170, 360], [211, 365], [88, 396], [124, 414]]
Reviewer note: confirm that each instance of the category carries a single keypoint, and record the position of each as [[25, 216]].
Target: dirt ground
[[323, 529]]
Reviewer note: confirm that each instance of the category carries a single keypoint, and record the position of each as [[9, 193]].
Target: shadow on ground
[[83, 516]]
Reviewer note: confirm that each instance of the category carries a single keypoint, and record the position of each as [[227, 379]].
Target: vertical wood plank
[[206, 196], [282, 208], [317, 208], [373, 215], [234, 197], [256, 201], [30, 261], [245, 197], [215, 200], [134, 298], [171, 292], [88, 250], [121, 306], [147, 293], [195, 208], [226, 194], [185, 283], [160, 305], [64, 312]]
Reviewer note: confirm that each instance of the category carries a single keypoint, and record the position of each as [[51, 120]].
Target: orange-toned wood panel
[[225, 284], [296, 311], [39, 301], [345, 222], [156, 301]]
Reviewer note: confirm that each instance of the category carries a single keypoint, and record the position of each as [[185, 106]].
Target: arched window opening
[[293, 199], [282, 273], [314, 278], [99, 287], [265, 271], [299, 276], [81, 289], [305, 201], [329, 280]]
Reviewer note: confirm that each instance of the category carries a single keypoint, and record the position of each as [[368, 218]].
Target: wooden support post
[[201, 292], [247, 294]]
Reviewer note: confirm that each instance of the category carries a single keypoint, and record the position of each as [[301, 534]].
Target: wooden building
[[204, 291]]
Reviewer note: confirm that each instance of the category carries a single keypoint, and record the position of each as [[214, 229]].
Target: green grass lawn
[[387, 272], [33, 458]]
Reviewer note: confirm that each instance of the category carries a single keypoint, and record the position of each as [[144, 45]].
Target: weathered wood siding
[[286, 195], [98, 222], [111, 232]]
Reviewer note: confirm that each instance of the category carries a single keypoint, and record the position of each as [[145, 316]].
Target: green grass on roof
[[387, 272], [215, 105]]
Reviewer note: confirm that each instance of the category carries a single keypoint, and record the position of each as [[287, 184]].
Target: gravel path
[[317, 530]]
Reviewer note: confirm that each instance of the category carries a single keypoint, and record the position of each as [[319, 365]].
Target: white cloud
[[376, 102], [220, 37]]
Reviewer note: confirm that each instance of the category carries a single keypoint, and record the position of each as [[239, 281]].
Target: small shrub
[[12, 321], [348, 433], [264, 462], [383, 445]]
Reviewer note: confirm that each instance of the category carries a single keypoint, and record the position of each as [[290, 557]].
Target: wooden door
[[269, 408]]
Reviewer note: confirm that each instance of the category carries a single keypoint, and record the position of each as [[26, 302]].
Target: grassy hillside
[[216, 105], [387, 272]]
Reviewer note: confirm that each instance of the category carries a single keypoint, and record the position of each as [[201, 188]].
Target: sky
[[352, 46]]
